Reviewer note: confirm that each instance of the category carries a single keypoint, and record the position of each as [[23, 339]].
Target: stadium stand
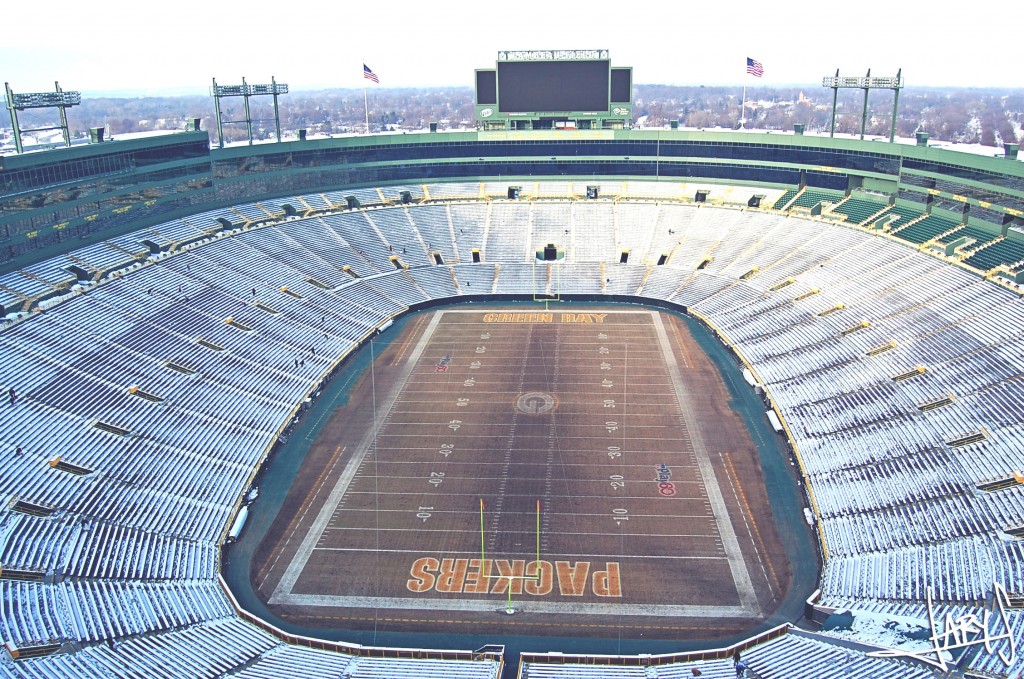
[[978, 235], [1004, 251], [808, 198], [785, 199], [795, 656], [196, 362], [858, 210], [925, 229], [899, 216]]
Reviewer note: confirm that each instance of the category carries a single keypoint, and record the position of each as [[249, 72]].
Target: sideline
[[731, 545]]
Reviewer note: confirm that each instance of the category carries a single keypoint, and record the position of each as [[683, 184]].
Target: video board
[[550, 86]]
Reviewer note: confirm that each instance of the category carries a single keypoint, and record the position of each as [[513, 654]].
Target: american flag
[[754, 67], [370, 75]]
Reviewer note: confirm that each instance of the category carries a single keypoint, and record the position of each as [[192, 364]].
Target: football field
[[552, 464]]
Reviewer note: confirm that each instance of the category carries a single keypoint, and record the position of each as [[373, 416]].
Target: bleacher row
[[980, 248], [794, 655], [194, 363]]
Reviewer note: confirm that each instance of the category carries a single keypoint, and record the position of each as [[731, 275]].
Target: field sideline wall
[[61, 199]]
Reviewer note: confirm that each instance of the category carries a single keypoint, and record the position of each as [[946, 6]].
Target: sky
[[178, 47]]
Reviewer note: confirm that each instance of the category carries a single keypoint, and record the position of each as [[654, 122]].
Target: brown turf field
[[608, 427]]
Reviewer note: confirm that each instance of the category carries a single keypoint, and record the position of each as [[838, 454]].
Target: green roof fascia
[[82, 151]]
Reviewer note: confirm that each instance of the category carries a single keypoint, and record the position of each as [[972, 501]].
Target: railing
[[489, 653], [647, 660]]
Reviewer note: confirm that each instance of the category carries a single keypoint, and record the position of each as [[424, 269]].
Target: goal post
[[547, 281], [536, 577]]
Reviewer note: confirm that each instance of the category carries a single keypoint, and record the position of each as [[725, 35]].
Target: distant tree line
[[979, 116]]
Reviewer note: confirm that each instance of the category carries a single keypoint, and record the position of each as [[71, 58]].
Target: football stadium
[[555, 398]]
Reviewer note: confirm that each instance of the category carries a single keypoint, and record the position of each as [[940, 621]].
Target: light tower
[[246, 90], [865, 83], [58, 99]]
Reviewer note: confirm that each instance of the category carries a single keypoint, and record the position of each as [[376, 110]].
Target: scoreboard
[[553, 89], [552, 86]]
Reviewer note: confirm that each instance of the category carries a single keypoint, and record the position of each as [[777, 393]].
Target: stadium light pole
[[58, 99], [835, 100], [866, 83], [248, 116], [895, 105], [245, 90], [864, 111], [277, 110]]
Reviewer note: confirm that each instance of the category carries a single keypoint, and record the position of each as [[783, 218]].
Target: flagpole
[[743, 106], [366, 107]]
